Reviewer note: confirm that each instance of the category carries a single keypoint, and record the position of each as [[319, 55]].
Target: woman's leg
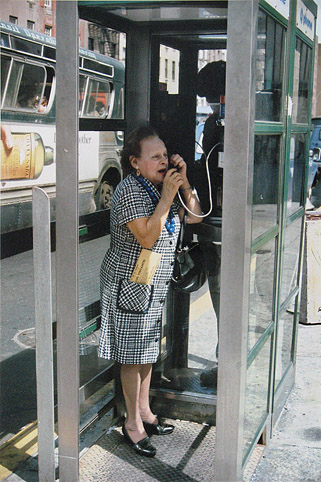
[[131, 383], [144, 407]]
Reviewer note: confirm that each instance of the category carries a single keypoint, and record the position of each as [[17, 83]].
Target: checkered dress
[[131, 313]]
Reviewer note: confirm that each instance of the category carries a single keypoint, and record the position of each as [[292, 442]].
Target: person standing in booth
[[211, 84], [136, 272]]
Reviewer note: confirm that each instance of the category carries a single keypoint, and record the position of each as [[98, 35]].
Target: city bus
[[28, 86]]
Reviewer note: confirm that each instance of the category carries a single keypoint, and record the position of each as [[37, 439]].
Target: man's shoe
[[208, 378], [142, 447]]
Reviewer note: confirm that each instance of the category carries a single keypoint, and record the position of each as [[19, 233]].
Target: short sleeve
[[129, 204]]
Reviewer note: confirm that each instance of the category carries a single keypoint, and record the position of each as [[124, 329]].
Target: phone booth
[[261, 109]]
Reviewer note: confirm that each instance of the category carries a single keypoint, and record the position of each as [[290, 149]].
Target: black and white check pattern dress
[[131, 313]]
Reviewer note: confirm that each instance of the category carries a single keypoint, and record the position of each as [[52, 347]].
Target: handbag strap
[[182, 231]]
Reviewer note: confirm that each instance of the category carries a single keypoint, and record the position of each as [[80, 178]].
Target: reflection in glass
[[97, 181], [256, 395], [284, 345], [291, 253], [102, 63], [269, 68], [261, 292], [301, 82], [188, 344], [91, 254], [17, 345], [99, 177], [265, 183], [166, 110], [96, 385], [296, 174]]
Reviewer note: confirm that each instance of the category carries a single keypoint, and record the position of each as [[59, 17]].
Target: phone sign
[[281, 6], [305, 20]]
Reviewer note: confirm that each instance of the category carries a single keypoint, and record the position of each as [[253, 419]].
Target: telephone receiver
[[171, 166]]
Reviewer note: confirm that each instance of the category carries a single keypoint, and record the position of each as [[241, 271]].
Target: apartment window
[[90, 43], [48, 30], [166, 68], [101, 47], [13, 19], [173, 70], [30, 25], [48, 3]]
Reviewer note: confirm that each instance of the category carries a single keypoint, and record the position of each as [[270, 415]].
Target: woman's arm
[[187, 192], [193, 204]]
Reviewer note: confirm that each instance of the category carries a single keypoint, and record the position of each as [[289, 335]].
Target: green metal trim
[[300, 128], [296, 314], [253, 353], [289, 299], [268, 128], [255, 439], [296, 319], [282, 379], [89, 329], [273, 13], [299, 213], [264, 238], [304, 38], [83, 230]]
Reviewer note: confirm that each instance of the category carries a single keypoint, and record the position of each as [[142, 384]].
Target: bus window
[[5, 64], [98, 99], [82, 91], [22, 45], [10, 99], [29, 85], [119, 114]]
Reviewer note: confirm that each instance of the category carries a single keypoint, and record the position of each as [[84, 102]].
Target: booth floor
[[187, 455]]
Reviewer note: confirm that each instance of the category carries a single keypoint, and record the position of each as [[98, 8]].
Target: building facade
[[38, 15]]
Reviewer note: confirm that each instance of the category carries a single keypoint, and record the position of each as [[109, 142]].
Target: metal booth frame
[[239, 248]]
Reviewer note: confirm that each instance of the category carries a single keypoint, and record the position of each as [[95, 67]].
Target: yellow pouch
[[146, 267]]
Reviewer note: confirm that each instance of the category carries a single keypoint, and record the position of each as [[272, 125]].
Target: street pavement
[[293, 453]]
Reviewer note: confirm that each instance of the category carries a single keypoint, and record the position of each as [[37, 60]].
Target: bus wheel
[[106, 194]]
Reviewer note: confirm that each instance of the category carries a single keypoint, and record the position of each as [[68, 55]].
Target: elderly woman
[[145, 216]]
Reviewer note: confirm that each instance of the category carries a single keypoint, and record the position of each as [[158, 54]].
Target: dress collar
[[148, 183]]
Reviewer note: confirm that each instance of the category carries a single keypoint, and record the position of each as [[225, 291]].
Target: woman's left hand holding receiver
[[186, 189], [178, 162]]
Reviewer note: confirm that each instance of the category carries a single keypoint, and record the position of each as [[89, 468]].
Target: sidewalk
[[294, 452]]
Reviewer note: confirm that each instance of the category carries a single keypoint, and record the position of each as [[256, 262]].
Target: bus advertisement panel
[[28, 147]]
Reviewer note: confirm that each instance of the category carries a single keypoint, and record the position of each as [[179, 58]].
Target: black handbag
[[189, 271]]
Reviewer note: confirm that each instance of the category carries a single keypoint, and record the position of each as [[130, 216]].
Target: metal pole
[[43, 321], [236, 238], [67, 104]]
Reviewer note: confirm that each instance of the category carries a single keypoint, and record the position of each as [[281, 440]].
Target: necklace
[[170, 221]]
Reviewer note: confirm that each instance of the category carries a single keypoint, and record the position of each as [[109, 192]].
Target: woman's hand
[[173, 180], [190, 199], [178, 162]]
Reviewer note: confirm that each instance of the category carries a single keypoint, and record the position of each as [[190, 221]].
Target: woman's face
[[153, 160]]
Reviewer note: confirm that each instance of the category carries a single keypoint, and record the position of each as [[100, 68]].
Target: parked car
[[314, 179]]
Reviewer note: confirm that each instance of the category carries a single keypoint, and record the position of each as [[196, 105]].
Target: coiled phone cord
[[209, 184]]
